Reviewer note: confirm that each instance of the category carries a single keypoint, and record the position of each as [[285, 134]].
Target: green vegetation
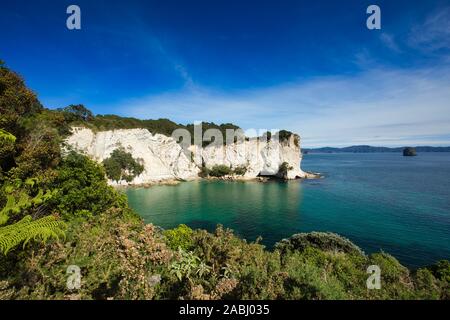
[[284, 169], [240, 170], [121, 166], [78, 115], [28, 229], [82, 188], [285, 135], [74, 113], [58, 210], [220, 171], [179, 238], [204, 172]]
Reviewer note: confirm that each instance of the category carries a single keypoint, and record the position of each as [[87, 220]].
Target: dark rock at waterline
[[325, 241], [409, 152]]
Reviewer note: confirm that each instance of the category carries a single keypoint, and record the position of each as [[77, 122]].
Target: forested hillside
[[57, 211], [80, 115]]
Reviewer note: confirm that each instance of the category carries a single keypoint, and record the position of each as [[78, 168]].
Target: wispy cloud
[[381, 107], [434, 33], [378, 106], [389, 41]]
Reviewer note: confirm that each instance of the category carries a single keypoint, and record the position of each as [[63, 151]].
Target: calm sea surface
[[380, 201]]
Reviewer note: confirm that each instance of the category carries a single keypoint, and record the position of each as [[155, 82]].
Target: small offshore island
[[409, 152], [59, 214]]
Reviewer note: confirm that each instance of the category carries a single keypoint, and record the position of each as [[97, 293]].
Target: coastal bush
[[79, 115], [82, 188], [185, 265], [284, 169], [441, 271], [23, 215], [323, 240], [240, 170], [38, 152], [17, 102], [77, 112], [7, 144], [116, 253], [180, 237], [427, 286], [122, 166], [284, 135], [204, 172], [307, 281], [220, 171]]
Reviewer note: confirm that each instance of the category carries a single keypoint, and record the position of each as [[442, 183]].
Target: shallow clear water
[[380, 201]]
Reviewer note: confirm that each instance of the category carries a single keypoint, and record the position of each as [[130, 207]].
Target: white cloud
[[379, 107], [434, 33]]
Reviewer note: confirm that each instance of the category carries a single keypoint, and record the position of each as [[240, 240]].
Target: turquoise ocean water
[[380, 201]]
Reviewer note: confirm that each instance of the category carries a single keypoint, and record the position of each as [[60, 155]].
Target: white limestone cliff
[[164, 159]]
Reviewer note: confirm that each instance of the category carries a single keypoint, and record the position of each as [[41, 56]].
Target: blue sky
[[307, 66]]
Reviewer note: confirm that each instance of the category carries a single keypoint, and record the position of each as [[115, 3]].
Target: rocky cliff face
[[164, 159]]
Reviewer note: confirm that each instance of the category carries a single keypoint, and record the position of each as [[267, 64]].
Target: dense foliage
[[220, 171], [82, 188], [284, 135], [80, 116], [284, 169], [57, 210], [122, 166]]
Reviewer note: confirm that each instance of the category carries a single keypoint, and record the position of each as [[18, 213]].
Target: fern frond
[[10, 204], [26, 230], [7, 136], [24, 202]]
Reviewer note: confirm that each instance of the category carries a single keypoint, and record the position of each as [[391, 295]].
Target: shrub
[[305, 278], [122, 166], [220, 171], [397, 282], [180, 237], [284, 135], [116, 253], [7, 148], [39, 151], [204, 172], [77, 113], [325, 241], [16, 102], [441, 270], [82, 186], [7, 144], [283, 170], [240, 170], [426, 285]]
